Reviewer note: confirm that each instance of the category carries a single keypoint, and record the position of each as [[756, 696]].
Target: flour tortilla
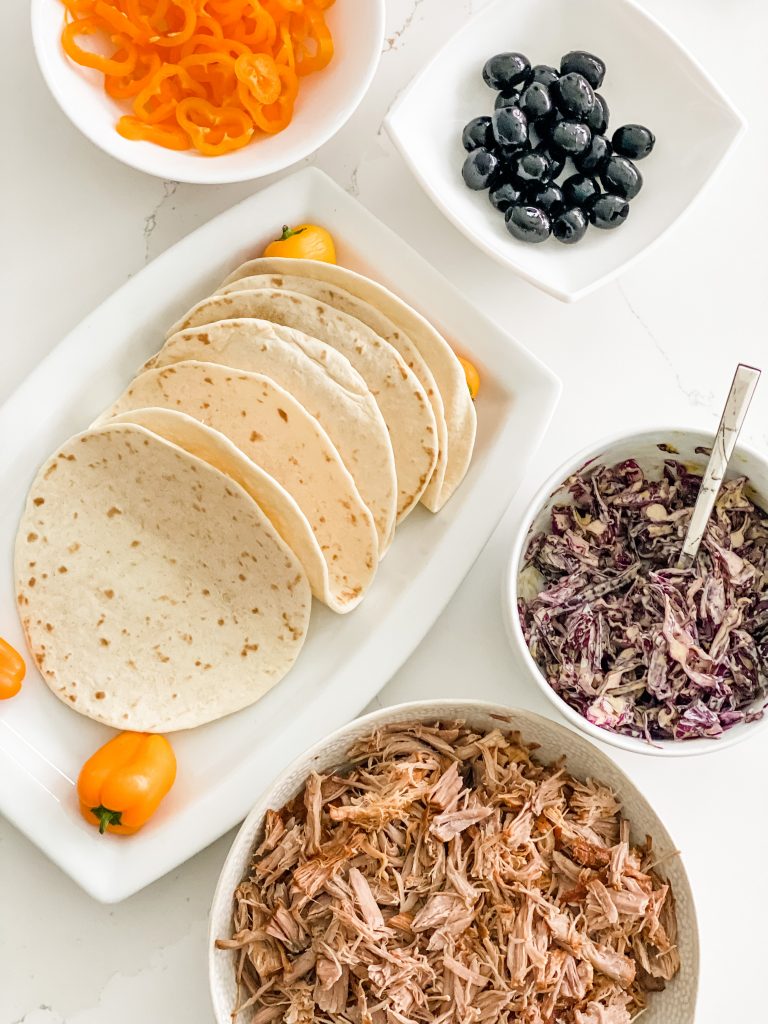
[[154, 593], [399, 395], [275, 502], [326, 385], [459, 410], [272, 429], [350, 304]]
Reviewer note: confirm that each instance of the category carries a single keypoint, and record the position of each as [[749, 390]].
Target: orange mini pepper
[[304, 242], [120, 786], [12, 670], [473, 377]]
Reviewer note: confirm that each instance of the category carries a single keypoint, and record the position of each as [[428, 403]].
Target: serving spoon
[[736, 405]]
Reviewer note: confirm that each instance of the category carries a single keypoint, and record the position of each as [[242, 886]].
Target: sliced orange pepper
[[157, 100], [149, 17], [168, 23], [79, 8], [285, 54], [313, 36], [12, 670], [227, 12], [121, 786], [122, 87], [119, 21], [107, 65], [273, 117], [205, 23], [304, 242], [243, 55], [259, 74], [229, 47], [215, 72], [223, 9], [214, 130], [166, 133], [256, 27], [186, 21]]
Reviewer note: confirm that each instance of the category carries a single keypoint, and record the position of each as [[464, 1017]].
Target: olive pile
[[542, 118]]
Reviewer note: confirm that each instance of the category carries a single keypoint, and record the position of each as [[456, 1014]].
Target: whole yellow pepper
[[304, 242]]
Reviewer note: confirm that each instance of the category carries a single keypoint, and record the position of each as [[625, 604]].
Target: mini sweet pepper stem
[[289, 232], [106, 817]]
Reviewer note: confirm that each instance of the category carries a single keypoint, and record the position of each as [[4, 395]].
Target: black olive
[[506, 69], [476, 133], [509, 155], [578, 190], [510, 126], [544, 74], [507, 193], [590, 161], [608, 211], [621, 177], [528, 223], [533, 165], [547, 197], [536, 102], [479, 168], [586, 64], [541, 130], [570, 226], [556, 159], [510, 98], [597, 119], [570, 137], [634, 140], [574, 96]]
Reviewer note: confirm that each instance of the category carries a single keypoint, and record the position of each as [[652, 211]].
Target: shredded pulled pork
[[448, 876], [634, 644]]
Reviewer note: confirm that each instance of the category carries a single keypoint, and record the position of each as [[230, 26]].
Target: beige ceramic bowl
[[676, 1005]]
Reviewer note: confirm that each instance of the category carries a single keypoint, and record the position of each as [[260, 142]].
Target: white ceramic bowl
[[326, 100], [676, 1005], [651, 79], [643, 447]]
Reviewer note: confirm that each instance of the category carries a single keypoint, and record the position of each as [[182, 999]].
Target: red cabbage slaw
[[632, 643]]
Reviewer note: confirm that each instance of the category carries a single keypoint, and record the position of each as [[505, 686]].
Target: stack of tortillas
[[167, 556]]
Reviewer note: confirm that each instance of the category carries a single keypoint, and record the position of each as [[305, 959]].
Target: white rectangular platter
[[223, 767]]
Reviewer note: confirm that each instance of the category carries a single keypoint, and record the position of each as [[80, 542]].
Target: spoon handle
[[743, 387]]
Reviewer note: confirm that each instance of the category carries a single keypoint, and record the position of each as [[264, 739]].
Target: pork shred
[[448, 876], [634, 644]]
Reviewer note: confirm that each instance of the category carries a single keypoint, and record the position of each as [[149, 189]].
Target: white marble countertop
[[658, 346]]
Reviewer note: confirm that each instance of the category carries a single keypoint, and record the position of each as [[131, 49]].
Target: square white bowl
[[347, 659], [651, 79]]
